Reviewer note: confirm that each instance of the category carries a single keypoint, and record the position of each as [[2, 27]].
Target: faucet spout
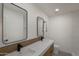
[[19, 46]]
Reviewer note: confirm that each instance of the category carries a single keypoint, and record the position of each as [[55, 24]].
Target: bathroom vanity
[[15, 31], [39, 48]]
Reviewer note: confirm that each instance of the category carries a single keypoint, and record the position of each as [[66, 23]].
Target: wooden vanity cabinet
[[49, 51]]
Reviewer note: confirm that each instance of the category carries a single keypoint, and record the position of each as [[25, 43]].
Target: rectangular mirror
[[40, 27], [14, 23]]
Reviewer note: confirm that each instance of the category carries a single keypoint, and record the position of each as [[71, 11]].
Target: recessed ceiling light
[[57, 9]]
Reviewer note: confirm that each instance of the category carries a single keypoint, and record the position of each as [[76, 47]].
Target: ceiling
[[49, 8]]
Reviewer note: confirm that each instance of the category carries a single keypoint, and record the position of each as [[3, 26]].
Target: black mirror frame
[[42, 25], [26, 12]]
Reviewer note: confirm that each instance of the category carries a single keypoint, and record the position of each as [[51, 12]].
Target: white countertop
[[36, 49]]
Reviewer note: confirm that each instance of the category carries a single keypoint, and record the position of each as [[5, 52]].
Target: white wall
[[64, 29], [33, 12], [75, 32], [0, 25]]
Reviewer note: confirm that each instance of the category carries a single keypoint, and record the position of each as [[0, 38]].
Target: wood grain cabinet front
[[49, 51]]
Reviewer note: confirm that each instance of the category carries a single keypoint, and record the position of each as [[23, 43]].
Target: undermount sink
[[24, 52], [27, 52]]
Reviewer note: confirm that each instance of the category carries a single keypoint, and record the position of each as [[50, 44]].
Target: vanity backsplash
[[13, 47]]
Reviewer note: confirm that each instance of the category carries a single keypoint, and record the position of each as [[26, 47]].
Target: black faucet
[[19, 46], [42, 38]]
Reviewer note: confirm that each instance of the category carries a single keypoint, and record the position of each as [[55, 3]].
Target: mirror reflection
[[40, 27], [14, 23]]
